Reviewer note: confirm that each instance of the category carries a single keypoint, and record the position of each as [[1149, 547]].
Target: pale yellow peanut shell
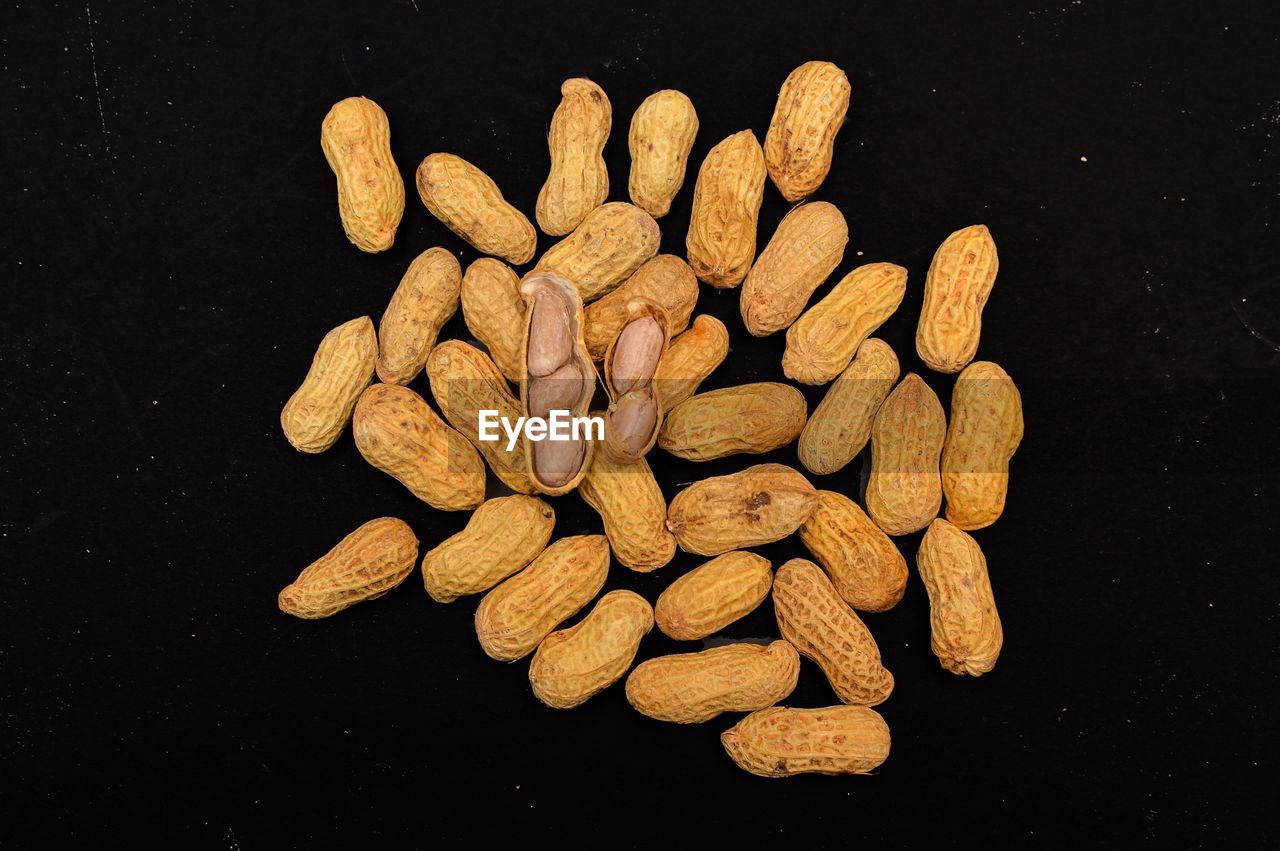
[[318, 411], [572, 665], [502, 536], [578, 182], [614, 443], [955, 292], [494, 312], [721, 242], [841, 424], [426, 298], [471, 205], [965, 630], [662, 133], [984, 432], [356, 139], [864, 565], [806, 248], [363, 566], [781, 741], [758, 505], [904, 488], [748, 418], [611, 243], [629, 501], [689, 688], [708, 598], [666, 280], [810, 111], [691, 357]]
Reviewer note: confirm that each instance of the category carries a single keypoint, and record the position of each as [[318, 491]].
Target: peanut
[[955, 291], [781, 741], [426, 299], [689, 688], [749, 418], [399, 434], [690, 358], [578, 182], [965, 628], [494, 311], [866, 568], [629, 501], [613, 241], [810, 111], [662, 133], [904, 490], [631, 424], [464, 382], [824, 340], [666, 280], [823, 628], [363, 566], [471, 205], [502, 536], [709, 598], [841, 424], [758, 505], [985, 430], [356, 139], [342, 368], [515, 617], [807, 246], [726, 208], [572, 665]]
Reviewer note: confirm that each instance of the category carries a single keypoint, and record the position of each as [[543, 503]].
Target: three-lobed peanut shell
[[721, 242], [572, 665], [502, 536], [806, 248], [691, 357], [758, 505], [708, 598], [965, 630], [611, 243], [955, 292], [747, 418], [841, 424], [356, 138], [810, 111], [494, 312], [782, 741], [318, 411], [426, 298], [665, 280], [363, 566], [662, 133], [471, 205], [578, 181], [984, 432], [864, 565], [629, 501], [904, 488], [689, 688]]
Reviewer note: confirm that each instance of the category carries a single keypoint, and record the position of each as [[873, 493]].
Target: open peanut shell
[[635, 406]]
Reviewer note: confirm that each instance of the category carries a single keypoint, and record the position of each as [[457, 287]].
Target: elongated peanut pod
[[781, 741], [502, 536], [825, 339], [841, 424], [572, 665], [864, 565], [470, 204], [756, 506], [578, 182], [749, 418], [613, 241], [662, 133], [904, 488], [494, 311], [810, 111], [984, 432], [689, 688], [726, 209], [690, 358], [708, 598], [426, 298], [629, 501], [356, 139], [965, 626], [807, 246], [955, 292], [363, 566], [342, 368]]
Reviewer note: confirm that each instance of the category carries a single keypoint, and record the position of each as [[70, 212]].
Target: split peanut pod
[[965, 627], [629, 501], [363, 566], [689, 688], [471, 205], [426, 298], [494, 312], [635, 411], [805, 249], [782, 742], [726, 209], [864, 565], [904, 488], [957, 288], [578, 182], [665, 280], [318, 411], [613, 241], [810, 111], [985, 430], [691, 357], [708, 598], [749, 418], [756, 506], [662, 133], [841, 424], [502, 536], [572, 665], [356, 139]]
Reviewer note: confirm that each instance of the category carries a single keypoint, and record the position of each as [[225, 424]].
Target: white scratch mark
[[97, 89], [414, 4], [1248, 326]]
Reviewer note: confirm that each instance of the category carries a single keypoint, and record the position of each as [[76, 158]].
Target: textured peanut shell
[[426, 299], [984, 432], [464, 382], [494, 312], [665, 280], [806, 248], [810, 111], [691, 357], [864, 565], [758, 505], [572, 665], [363, 566], [825, 339], [726, 209], [610, 244], [822, 627], [708, 598], [471, 205], [342, 368], [502, 536], [662, 133], [957, 288], [513, 618], [356, 139], [781, 741], [904, 488], [964, 626], [578, 182], [397, 432], [629, 501], [689, 688], [748, 418], [614, 445], [841, 424]]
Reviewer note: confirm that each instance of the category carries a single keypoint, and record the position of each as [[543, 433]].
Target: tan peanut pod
[[629, 501], [689, 688], [781, 741], [726, 210], [965, 628], [823, 628], [426, 299], [810, 111], [748, 418], [957, 288], [826, 337], [464, 382], [554, 355], [708, 598], [502, 536], [904, 488], [513, 618], [578, 182], [471, 205], [398, 433], [363, 566], [356, 139], [984, 432], [575, 664], [864, 565], [613, 241], [342, 368], [758, 505], [691, 357], [841, 424], [494, 311], [634, 417], [662, 133], [665, 280], [806, 248]]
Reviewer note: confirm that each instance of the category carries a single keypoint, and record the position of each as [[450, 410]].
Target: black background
[[172, 255]]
